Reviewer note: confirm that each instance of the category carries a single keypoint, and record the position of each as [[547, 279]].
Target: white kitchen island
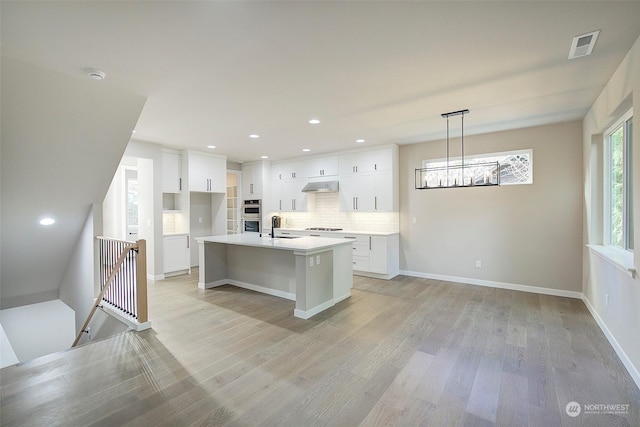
[[315, 272]]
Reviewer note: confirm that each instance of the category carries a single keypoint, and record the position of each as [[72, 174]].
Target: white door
[[131, 203]]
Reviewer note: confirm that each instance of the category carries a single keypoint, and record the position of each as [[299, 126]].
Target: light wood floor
[[405, 352]]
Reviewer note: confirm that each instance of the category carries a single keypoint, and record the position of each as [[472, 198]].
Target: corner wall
[[527, 237], [620, 319]]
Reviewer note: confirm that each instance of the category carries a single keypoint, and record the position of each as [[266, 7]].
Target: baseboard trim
[[250, 286], [315, 310], [156, 277], [131, 323], [633, 371], [492, 284]]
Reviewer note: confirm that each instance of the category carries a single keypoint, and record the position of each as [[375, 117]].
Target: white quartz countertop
[[368, 233], [301, 244]]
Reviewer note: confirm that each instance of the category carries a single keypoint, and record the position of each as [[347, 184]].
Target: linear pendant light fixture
[[457, 173]]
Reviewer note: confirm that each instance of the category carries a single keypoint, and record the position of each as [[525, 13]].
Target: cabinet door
[[290, 170], [217, 168], [361, 162], [378, 254], [252, 181], [207, 173], [357, 193], [176, 253], [383, 159], [198, 178], [322, 166], [171, 177], [293, 199], [383, 187]]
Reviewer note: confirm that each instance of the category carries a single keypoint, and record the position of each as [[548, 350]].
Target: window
[[516, 167], [619, 184]]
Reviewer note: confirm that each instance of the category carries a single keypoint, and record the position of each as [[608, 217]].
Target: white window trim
[[606, 238], [453, 159], [619, 258]]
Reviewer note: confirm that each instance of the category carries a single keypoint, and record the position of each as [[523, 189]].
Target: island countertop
[[301, 245]]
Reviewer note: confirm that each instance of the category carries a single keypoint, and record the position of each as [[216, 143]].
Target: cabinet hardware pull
[[375, 202], [369, 242], [187, 242], [180, 184]]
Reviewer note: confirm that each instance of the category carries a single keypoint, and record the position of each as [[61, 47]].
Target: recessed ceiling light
[[95, 74], [306, 150], [211, 146], [254, 136], [47, 221], [314, 121], [360, 140], [264, 157]]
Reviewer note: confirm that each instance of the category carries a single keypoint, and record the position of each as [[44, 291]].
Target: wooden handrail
[[141, 282], [115, 269]]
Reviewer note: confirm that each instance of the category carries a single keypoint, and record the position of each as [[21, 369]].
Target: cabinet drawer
[[361, 263]]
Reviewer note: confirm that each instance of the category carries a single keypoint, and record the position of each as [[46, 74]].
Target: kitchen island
[[315, 272]]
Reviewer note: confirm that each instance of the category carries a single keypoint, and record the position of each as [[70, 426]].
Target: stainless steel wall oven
[[252, 216]]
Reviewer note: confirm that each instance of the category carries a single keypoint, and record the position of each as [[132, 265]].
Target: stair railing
[[123, 280]]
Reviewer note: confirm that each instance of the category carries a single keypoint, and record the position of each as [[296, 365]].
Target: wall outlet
[[311, 261], [606, 300], [414, 220], [200, 219], [317, 259], [478, 263]]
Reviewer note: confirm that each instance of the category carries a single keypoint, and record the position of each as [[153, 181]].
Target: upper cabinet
[[359, 162], [207, 173], [253, 176], [322, 166], [287, 170], [368, 181], [171, 172]]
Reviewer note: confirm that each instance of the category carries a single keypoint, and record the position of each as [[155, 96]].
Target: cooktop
[[324, 229]]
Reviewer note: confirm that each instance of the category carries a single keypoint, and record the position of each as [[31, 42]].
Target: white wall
[[149, 162], [38, 329], [524, 235], [79, 283], [7, 354], [62, 138], [621, 318]]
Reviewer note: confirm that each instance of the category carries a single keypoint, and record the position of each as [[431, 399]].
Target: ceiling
[[215, 72]]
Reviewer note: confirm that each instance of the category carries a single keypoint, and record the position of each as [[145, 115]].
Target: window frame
[[457, 160], [627, 183]]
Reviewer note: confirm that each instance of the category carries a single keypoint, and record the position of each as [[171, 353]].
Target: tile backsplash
[[327, 214]]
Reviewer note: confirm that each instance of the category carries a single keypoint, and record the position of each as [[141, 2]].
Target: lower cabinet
[[374, 255], [176, 253]]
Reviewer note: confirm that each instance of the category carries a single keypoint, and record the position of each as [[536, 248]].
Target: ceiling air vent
[[583, 45]]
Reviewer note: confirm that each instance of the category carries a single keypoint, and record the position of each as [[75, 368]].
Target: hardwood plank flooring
[[404, 352]]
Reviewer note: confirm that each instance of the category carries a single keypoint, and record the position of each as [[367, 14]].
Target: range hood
[[321, 187]]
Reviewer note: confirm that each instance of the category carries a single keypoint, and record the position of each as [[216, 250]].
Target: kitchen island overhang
[[315, 272]]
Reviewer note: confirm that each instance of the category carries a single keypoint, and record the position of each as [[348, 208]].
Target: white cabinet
[[375, 255], [287, 170], [378, 255], [288, 196], [367, 181], [322, 166], [383, 159], [253, 175], [357, 192], [207, 173], [359, 162], [171, 172], [383, 191], [176, 253]]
